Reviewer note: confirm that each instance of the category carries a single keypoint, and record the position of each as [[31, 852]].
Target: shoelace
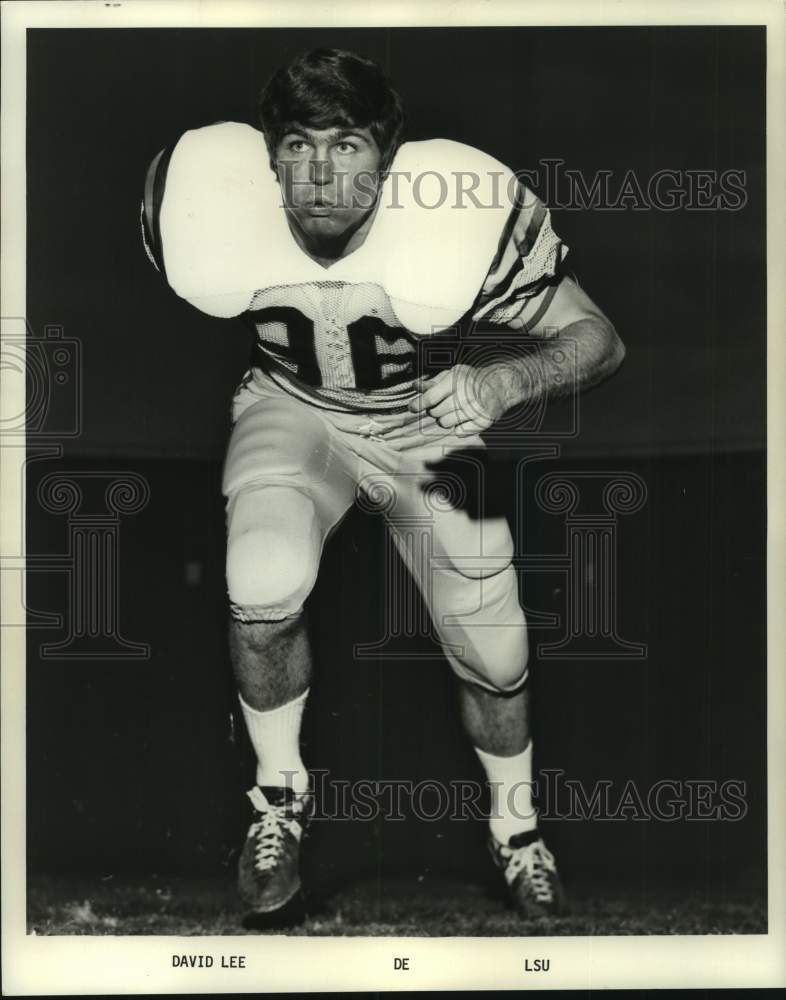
[[537, 861], [268, 831]]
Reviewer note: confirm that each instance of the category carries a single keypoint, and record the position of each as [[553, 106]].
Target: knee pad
[[498, 661], [495, 647], [496, 544], [273, 552], [276, 463]]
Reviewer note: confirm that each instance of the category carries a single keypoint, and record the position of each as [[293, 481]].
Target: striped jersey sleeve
[[150, 208], [528, 259]]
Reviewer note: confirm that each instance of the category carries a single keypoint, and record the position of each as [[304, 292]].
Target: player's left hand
[[462, 400]]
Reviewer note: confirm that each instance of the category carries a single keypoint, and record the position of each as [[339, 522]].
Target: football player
[[342, 247]]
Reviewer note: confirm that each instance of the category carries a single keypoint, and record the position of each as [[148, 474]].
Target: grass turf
[[404, 906]]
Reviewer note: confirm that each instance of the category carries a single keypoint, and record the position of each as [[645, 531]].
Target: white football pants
[[292, 471]]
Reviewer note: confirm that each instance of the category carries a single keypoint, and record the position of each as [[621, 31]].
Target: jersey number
[[362, 333]]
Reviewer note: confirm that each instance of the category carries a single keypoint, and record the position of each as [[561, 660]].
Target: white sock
[[510, 779], [275, 737]]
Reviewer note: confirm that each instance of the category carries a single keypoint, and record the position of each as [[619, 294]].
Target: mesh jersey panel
[[340, 345], [335, 344]]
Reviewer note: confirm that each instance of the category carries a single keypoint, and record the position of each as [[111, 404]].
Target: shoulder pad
[[444, 210], [223, 234]]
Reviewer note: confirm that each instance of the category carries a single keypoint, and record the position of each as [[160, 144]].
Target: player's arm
[[586, 350], [528, 299]]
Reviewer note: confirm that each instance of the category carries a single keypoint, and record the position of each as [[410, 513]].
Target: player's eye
[[345, 147], [297, 146]]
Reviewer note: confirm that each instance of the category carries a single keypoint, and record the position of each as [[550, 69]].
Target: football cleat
[[531, 875], [269, 867]]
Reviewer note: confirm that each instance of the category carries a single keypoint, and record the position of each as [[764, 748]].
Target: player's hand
[[461, 400]]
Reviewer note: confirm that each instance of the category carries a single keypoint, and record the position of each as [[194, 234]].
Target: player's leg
[[497, 724], [472, 595], [284, 495], [271, 661], [273, 550], [471, 590]]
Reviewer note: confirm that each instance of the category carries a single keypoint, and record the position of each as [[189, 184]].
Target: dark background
[[132, 765]]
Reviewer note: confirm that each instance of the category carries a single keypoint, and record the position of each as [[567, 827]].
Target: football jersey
[[345, 337], [341, 345]]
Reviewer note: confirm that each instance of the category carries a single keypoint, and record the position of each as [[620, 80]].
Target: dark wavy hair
[[331, 87]]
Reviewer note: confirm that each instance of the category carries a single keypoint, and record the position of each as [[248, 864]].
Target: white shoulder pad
[[218, 215], [224, 234], [444, 210]]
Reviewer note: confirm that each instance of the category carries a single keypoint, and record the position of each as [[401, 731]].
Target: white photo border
[[98, 965]]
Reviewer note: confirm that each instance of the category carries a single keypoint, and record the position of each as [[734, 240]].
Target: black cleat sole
[[291, 914]]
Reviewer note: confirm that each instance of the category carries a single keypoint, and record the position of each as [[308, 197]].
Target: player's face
[[330, 179]]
